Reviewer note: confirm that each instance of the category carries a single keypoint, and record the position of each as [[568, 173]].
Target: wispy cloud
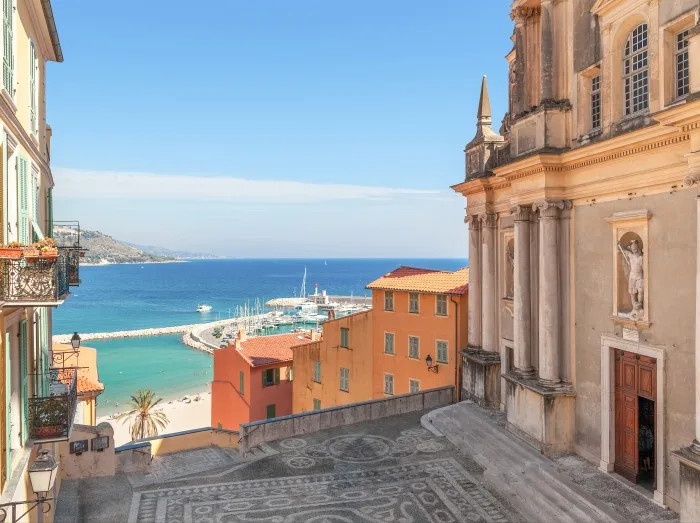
[[75, 183]]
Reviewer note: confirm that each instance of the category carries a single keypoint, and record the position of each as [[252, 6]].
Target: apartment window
[[388, 343], [270, 377], [388, 301], [270, 411], [317, 371], [344, 379], [595, 102], [635, 70], [441, 349], [413, 347], [290, 373], [344, 337], [682, 64], [413, 303], [32, 88], [241, 382], [441, 305], [413, 385], [317, 404], [388, 383], [8, 57]]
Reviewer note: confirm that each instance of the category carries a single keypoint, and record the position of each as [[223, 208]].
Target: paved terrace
[[389, 471]]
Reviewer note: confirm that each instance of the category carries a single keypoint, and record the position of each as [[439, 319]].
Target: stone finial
[[484, 112]]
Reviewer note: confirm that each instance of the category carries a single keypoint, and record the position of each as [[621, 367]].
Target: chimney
[[241, 335]]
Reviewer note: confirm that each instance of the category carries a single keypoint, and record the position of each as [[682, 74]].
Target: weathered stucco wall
[[586, 36], [670, 9], [255, 433], [671, 303]]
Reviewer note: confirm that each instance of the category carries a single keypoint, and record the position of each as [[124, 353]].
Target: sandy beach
[[182, 416]]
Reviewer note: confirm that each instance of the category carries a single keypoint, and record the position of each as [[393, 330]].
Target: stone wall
[[257, 432], [90, 463]]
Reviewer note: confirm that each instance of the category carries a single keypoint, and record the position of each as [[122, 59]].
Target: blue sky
[[273, 128]]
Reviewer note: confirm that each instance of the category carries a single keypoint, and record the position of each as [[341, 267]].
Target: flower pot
[[13, 253], [48, 255], [49, 431], [30, 252]]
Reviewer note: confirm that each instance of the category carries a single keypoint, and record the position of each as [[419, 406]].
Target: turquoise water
[[160, 363], [126, 297]]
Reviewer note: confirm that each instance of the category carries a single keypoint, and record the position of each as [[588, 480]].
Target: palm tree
[[145, 421]]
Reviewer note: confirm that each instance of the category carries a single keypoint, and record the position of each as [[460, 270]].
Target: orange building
[[252, 379], [411, 340]]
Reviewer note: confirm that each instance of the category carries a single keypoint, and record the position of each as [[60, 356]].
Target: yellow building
[[583, 215], [37, 404]]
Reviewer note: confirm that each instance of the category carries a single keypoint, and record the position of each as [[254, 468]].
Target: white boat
[[203, 308]]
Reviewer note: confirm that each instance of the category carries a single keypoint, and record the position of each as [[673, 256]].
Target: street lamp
[[42, 476], [429, 363], [75, 341]]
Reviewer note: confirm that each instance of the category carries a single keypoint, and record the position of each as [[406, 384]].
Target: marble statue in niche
[[510, 269], [631, 293]]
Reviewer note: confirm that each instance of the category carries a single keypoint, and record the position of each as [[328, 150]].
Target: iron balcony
[[52, 411], [34, 282]]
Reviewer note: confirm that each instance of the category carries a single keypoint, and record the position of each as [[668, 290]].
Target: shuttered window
[[344, 337], [388, 301], [241, 382], [270, 411], [35, 205], [8, 57], [344, 379], [441, 349], [388, 383], [49, 212], [388, 343], [23, 203], [32, 89], [413, 347], [270, 377], [317, 404], [24, 380], [413, 303], [413, 385], [317, 371], [441, 305]]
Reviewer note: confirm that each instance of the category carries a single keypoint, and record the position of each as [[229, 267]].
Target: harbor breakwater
[[191, 333]]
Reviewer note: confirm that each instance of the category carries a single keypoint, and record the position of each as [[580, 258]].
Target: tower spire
[[483, 115]]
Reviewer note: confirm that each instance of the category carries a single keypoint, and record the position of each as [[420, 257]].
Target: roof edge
[[53, 30]]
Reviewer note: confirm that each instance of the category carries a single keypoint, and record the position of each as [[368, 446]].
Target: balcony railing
[[34, 281], [67, 237], [51, 415]]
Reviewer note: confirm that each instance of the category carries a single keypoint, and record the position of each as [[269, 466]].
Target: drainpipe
[[458, 355]]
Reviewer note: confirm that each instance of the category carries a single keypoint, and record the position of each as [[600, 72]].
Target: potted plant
[[47, 248], [50, 418], [12, 250]]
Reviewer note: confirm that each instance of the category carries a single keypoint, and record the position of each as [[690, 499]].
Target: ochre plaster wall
[[230, 408], [671, 304]]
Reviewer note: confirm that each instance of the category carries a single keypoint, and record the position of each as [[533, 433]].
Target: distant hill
[[103, 249], [169, 253]]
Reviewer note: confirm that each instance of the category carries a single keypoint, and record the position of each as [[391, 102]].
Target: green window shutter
[[8, 59], [8, 410], [241, 385], [23, 197], [35, 205], [24, 377], [264, 374], [270, 411], [277, 376]]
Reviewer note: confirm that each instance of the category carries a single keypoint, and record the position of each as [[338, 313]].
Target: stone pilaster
[[550, 298], [547, 51], [694, 63], [522, 300], [474, 338], [489, 323]]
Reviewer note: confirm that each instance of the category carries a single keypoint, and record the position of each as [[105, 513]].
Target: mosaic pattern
[[439, 490]]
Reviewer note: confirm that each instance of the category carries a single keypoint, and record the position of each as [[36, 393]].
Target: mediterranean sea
[[126, 297]]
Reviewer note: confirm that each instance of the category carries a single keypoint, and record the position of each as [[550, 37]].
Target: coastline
[[105, 262], [181, 416]]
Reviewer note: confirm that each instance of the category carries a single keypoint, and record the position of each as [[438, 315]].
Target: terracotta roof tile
[[83, 384], [413, 279], [265, 350]]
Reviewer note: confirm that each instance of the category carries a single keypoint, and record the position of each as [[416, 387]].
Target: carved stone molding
[[489, 219], [473, 221], [692, 179], [521, 213], [523, 13], [551, 208]]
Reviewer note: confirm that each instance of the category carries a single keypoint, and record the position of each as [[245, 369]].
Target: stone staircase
[[536, 486]]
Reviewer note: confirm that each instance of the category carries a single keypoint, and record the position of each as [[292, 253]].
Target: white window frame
[[417, 344], [411, 296], [387, 336], [388, 380], [317, 371], [437, 305], [680, 42], [640, 74], [437, 351], [596, 103], [345, 345], [411, 382], [389, 301]]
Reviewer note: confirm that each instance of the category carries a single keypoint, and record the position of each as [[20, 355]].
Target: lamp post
[[42, 476], [429, 363], [75, 341]]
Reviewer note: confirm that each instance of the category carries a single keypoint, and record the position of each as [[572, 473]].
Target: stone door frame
[[608, 344]]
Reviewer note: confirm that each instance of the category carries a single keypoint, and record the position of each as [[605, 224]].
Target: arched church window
[[635, 68]]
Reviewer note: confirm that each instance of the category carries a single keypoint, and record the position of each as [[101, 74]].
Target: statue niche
[[510, 269], [630, 276]]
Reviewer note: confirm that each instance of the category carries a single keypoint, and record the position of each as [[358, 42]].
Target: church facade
[[584, 217]]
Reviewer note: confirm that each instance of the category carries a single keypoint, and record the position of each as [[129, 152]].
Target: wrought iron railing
[[51, 415], [67, 237], [33, 280]]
